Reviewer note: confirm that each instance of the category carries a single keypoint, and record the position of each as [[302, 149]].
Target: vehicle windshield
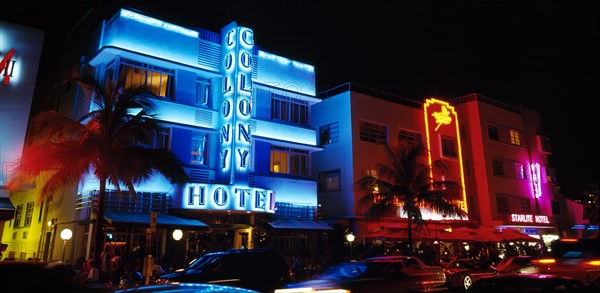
[[355, 270], [203, 261]]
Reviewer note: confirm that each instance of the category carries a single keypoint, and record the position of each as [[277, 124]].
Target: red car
[[462, 272]]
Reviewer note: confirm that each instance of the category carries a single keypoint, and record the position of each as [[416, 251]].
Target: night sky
[[542, 54]]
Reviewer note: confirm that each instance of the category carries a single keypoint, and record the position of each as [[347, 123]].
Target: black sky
[[542, 54]]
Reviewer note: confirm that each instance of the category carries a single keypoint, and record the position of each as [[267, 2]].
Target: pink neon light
[[535, 180]]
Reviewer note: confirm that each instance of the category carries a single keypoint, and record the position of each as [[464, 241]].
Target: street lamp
[[350, 238], [177, 234], [65, 235]]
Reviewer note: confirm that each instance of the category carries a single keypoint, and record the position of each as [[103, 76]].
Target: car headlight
[[309, 289]]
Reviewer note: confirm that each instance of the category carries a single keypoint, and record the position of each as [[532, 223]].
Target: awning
[[161, 219], [303, 224], [7, 210]]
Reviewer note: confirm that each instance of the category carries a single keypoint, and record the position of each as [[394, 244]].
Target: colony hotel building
[[237, 116], [496, 151]]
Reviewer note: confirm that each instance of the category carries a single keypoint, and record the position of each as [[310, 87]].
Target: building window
[[525, 205], [329, 181], [518, 170], [409, 137], [289, 109], [41, 212], [160, 138], [515, 137], [555, 208], [502, 204], [329, 133], [198, 153], [448, 147], [497, 167], [158, 79], [29, 214], [289, 161], [493, 132], [373, 132], [24, 235], [18, 216], [203, 92]]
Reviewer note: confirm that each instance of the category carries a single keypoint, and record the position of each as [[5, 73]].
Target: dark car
[[261, 270], [362, 276], [462, 272], [527, 283], [35, 276]]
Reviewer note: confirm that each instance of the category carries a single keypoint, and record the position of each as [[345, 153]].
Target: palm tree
[[406, 182], [110, 142]]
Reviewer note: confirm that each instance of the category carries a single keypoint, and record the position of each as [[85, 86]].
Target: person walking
[[105, 258]]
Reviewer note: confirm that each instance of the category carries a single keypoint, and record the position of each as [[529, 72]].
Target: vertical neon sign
[[236, 110], [443, 119], [535, 180]]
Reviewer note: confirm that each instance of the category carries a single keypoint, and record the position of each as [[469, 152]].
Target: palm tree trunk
[[99, 229], [410, 240]]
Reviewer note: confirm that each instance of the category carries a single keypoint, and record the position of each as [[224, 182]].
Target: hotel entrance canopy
[[144, 219]]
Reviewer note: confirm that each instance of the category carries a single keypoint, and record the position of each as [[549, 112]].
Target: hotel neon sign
[[535, 180], [7, 66], [440, 113], [228, 197], [527, 218]]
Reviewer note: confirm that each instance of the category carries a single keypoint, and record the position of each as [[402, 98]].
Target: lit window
[[289, 161], [136, 74], [198, 153], [515, 137], [203, 92], [289, 109]]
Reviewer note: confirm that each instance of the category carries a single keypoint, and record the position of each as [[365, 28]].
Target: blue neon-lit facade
[[237, 116]]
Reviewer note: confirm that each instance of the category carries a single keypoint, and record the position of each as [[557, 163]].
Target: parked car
[[261, 270], [363, 276], [428, 276], [527, 283], [186, 288], [462, 272], [575, 258], [515, 264]]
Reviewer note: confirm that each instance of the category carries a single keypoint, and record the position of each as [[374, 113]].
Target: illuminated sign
[[526, 218], [444, 117], [236, 110], [7, 66], [535, 180], [228, 197]]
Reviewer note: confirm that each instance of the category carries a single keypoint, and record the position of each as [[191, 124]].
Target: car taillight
[[544, 261]]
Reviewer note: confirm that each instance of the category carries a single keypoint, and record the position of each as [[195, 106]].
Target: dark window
[[409, 137], [493, 132], [449, 147], [373, 132], [329, 133], [502, 204], [329, 181], [497, 168]]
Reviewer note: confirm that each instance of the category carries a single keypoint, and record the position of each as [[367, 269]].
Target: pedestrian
[[117, 267], [105, 258]]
